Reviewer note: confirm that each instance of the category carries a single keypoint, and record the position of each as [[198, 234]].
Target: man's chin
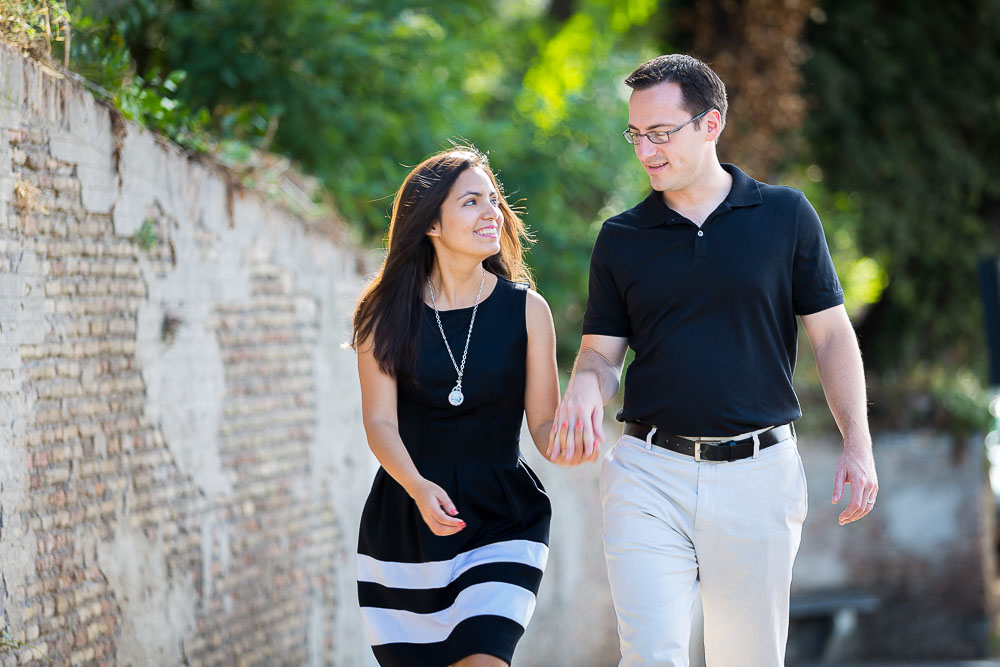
[[659, 184]]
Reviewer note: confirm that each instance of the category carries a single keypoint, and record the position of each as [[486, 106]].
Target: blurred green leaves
[[900, 150], [905, 118], [357, 91]]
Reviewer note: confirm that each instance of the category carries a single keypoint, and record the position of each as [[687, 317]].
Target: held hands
[[436, 508], [857, 468], [577, 429]]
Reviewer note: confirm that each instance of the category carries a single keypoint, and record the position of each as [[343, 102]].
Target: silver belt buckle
[[697, 451]]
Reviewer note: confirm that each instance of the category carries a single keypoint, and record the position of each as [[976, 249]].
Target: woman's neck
[[457, 284]]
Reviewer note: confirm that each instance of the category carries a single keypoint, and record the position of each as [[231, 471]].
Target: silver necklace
[[456, 396]]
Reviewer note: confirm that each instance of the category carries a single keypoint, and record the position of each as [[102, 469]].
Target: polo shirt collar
[[744, 192]]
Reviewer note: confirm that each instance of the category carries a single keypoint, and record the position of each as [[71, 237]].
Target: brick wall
[[182, 459]]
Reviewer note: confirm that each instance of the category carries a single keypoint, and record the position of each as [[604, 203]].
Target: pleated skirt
[[429, 601]]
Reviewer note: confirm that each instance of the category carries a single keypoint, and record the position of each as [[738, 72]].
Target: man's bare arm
[[578, 427], [838, 360]]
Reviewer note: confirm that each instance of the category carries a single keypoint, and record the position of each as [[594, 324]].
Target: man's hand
[[838, 360], [578, 428], [857, 468]]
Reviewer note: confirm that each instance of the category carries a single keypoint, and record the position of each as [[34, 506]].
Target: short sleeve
[[606, 314], [815, 284]]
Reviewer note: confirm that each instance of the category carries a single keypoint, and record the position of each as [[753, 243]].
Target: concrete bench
[[822, 623]]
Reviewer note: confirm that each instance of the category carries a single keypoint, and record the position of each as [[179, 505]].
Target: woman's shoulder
[[524, 290], [513, 285]]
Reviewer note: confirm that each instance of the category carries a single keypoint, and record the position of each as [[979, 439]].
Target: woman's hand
[[436, 508]]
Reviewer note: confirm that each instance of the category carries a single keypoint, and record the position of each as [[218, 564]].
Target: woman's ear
[[434, 229]]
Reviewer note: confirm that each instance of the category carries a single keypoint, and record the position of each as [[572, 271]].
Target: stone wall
[[181, 454], [925, 552]]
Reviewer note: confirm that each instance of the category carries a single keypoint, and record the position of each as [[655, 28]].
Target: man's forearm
[[607, 374], [843, 378]]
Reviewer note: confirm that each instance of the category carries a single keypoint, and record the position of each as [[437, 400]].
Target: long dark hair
[[388, 313]]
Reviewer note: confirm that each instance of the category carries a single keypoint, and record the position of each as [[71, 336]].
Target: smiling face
[[679, 163], [470, 220]]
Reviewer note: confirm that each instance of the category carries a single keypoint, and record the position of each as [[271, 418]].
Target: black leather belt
[[726, 450]]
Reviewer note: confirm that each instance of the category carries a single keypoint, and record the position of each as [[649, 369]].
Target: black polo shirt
[[710, 312]]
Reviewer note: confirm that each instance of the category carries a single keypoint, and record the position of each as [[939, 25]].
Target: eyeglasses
[[659, 136]]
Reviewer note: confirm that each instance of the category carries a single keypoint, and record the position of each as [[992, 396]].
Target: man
[[704, 279]]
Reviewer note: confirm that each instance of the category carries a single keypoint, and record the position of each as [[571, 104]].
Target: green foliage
[[901, 138], [33, 25], [863, 278], [8, 642], [357, 90], [905, 119], [146, 236]]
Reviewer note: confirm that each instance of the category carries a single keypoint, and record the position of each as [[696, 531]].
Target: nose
[[493, 211], [645, 148]]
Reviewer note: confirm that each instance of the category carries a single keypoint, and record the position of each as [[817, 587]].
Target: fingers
[[597, 427], [576, 452], [557, 438], [586, 439], [856, 467], [838, 484], [869, 501], [566, 444], [444, 503], [862, 502], [597, 419], [595, 451], [576, 434], [576, 447], [441, 515], [441, 529], [853, 511], [562, 442]]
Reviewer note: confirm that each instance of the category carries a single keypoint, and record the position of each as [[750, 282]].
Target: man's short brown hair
[[701, 88]]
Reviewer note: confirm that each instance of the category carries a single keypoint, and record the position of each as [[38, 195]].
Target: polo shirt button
[[701, 233]]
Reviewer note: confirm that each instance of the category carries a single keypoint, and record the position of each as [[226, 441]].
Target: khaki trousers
[[674, 527]]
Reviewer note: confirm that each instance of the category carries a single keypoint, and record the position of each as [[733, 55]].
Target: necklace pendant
[[456, 396]]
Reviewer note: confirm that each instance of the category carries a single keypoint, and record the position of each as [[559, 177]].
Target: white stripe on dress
[[437, 574], [389, 626]]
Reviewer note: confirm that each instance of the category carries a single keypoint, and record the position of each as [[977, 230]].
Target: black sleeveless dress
[[428, 600]]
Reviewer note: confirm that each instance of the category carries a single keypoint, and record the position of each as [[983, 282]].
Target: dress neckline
[[496, 286]]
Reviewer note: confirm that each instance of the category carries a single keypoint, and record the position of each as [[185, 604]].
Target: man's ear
[[713, 121]]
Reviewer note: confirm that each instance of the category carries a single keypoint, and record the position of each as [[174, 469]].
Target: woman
[[452, 352]]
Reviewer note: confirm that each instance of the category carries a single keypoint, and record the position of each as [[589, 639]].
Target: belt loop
[[756, 445], [697, 451], [649, 437]]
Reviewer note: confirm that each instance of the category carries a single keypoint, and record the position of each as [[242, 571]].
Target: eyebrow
[[470, 192], [633, 127]]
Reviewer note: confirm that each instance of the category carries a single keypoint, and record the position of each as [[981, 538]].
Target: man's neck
[[697, 201]]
